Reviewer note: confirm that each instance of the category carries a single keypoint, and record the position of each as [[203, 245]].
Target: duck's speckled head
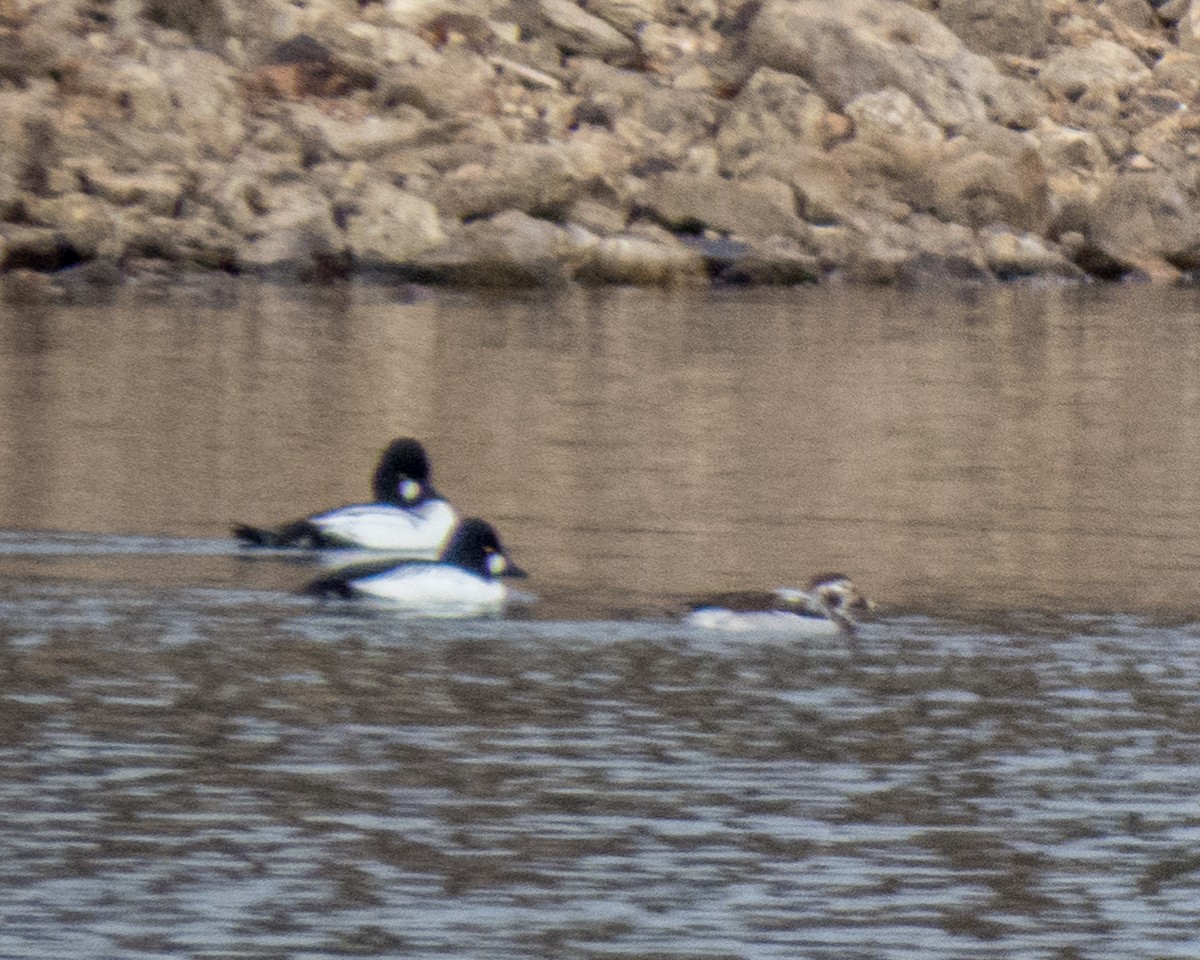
[[839, 597]]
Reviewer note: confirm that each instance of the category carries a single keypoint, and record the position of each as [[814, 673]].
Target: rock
[[628, 16], [689, 203], [533, 178], [188, 100], [455, 83], [1095, 74], [536, 141], [647, 116], [294, 234], [371, 137], [1179, 72], [921, 251], [1188, 29], [1066, 148], [302, 66], [511, 249], [1019, 27], [675, 51], [861, 46], [85, 224], [1098, 262], [388, 227], [994, 177], [1169, 143], [890, 113], [772, 113], [598, 217], [31, 144], [158, 192], [1012, 256], [25, 56], [35, 248], [197, 240], [1170, 12], [776, 261], [891, 178], [204, 21], [1143, 214], [639, 259], [417, 13], [577, 32], [1134, 13]]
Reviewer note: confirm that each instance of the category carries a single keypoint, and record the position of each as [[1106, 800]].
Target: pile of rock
[[514, 142]]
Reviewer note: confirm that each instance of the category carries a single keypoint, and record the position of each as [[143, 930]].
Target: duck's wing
[[747, 601], [298, 533]]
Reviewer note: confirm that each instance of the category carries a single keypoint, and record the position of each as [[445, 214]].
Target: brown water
[[196, 763]]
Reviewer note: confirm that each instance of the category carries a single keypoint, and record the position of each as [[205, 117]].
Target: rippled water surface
[[196, 762]]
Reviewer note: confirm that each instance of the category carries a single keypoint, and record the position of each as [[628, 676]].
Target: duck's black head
[[476, 547], [402, 474]]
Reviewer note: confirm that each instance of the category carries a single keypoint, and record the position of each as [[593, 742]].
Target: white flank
[[773, 621], [420, 532], [435, 590]]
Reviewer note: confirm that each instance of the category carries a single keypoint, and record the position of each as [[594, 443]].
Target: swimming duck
[[831, 603], [464, 582], [408, 516]]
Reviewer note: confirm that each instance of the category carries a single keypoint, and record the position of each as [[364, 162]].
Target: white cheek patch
[[409, 490], [496, 564]]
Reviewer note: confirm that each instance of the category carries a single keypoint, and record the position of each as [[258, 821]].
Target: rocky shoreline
[[545, 142]]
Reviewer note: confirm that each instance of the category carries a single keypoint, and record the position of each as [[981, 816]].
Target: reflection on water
[[1001, 447], [196, 763]]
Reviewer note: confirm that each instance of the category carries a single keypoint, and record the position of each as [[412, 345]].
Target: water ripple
[[223, 773]]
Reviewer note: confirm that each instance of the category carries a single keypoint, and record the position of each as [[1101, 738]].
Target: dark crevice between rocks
[[1102, 265], [43, 258]]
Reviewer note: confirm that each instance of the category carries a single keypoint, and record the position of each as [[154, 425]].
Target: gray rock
[[198, 240], [1019, 27], [294, 234], [992, 179], [372, 137], [389, 227], [687, 202], [922, 250], [628, 15], [456, 83], [31, 144], [34, 248], [511, 249], [641, 109], [647, 258], [204, 21], [853, 47], [771, 114], [598, 216], [533, 178], [87, 225], [1140, 214], [775, 261], [890, 113], [575, 31], [158, 192], [1013, 256], [1101, 71]]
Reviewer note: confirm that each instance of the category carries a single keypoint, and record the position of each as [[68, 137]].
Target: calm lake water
[[196, 762]]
